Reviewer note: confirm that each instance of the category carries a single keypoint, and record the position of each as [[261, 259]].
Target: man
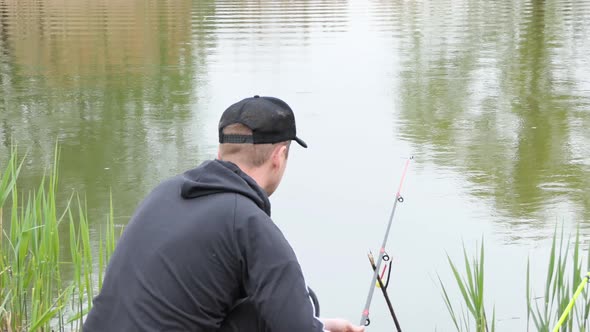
[[201, 252]]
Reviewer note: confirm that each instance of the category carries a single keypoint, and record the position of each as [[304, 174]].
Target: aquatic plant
[[558, 299], [40, 288], [559, 290], [471, 286]]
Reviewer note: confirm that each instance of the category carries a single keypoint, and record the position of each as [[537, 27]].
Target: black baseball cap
[[270, 119]]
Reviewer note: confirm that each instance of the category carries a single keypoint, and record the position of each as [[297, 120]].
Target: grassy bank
[[35, 292]]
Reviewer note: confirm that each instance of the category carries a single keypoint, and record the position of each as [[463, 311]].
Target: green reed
[[471, 286], [36, 293], [544, 311], [559, 289]]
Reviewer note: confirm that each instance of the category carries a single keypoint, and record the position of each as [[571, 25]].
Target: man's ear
[[277, 155]]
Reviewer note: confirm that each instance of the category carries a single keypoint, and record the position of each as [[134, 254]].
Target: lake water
[[492, 98]]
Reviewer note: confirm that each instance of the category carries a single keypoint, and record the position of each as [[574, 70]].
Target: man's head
[[255, 133]]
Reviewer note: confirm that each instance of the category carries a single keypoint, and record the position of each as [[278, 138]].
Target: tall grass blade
[[449, 305], [461, 285]]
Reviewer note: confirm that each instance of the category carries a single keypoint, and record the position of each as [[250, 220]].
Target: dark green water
[[491, 97]]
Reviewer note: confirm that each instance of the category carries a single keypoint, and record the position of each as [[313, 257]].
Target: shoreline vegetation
[[43, 289], [564, 305]]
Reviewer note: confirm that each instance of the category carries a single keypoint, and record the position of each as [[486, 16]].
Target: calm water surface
[[492, 99]]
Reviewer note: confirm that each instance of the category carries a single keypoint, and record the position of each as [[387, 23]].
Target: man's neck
[[256, 173]]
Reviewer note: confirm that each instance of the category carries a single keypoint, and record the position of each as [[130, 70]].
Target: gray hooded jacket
[[196, 246]]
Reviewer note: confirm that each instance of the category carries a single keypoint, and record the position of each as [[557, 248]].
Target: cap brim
[[300, 141]]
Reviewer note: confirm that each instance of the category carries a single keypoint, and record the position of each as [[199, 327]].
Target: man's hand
[[341, 325]]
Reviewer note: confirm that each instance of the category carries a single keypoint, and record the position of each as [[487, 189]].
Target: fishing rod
[[384, 290], [382, 255], [570, 305]]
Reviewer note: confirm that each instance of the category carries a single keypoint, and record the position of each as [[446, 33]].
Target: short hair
[[251, 155]]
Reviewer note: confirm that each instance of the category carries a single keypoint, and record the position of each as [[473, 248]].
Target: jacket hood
[[216, 176]]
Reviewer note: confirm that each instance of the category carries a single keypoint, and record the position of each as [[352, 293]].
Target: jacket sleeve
[[273, 279]]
